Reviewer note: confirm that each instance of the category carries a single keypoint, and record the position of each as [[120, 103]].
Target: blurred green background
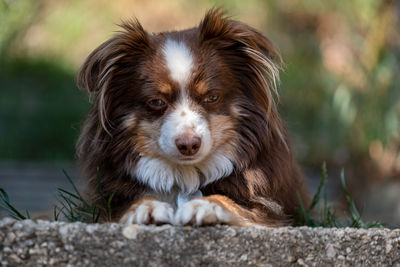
[[340, 87]]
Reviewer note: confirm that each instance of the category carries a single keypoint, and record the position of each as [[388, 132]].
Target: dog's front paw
[[148, 212], [204, 212]]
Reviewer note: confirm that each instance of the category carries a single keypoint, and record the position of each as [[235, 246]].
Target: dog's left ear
[[216, 26], [253, 58], [248, 50]]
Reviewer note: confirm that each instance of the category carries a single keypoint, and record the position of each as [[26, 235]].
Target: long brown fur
[[264, 184]]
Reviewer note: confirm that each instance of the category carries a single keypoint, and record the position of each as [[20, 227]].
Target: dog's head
[[182, 108]]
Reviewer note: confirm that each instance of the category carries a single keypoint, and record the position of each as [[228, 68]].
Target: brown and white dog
[[184, 128]]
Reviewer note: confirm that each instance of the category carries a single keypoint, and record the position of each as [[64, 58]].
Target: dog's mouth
[[186, 160]]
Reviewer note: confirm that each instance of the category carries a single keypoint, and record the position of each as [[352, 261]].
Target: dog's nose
[[188, 145]]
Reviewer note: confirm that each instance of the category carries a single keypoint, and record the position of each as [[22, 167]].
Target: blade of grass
[[108, 210], [75, 188], [71, 182], [321, 185], [68, 193], [355, 215], [69, 202], [10, 208], [4, 195], [304, 216]]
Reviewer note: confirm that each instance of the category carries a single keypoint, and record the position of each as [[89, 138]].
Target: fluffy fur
[[185, 122]]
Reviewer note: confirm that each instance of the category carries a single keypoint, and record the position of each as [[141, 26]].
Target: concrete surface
[[41, 243]]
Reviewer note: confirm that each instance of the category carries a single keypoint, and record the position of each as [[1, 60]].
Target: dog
[[184, 128]]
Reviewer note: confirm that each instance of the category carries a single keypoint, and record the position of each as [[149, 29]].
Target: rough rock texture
[[77, 244]]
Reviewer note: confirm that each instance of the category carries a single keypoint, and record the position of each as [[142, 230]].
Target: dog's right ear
[[97, 71]]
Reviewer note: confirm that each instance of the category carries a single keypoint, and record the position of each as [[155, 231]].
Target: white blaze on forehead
[[179, 60]]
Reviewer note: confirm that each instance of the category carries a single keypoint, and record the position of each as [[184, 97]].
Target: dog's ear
[[97, 70], [117, 56], [248, 50], [252, 56], [216, 26]]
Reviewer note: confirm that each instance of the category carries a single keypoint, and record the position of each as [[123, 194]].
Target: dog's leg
[[148, 210], [214, 209]]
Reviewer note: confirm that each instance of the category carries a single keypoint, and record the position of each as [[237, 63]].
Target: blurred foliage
[[341, 94], [340, 87], [40, 111], [15, 17]]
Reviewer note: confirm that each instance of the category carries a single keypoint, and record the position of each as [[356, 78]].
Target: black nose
[[188, 145]]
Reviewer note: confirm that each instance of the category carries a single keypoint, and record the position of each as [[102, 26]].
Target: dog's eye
[[210, 99], [156, 104]]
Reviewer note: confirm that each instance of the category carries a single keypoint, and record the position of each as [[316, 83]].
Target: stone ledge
[[77, 244]]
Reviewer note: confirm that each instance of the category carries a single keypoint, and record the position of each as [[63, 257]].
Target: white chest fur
[[163, 176]]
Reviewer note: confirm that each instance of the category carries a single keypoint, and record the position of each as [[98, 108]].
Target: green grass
[[322, 214], [71, 206], [74, 208], [9, 208]]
